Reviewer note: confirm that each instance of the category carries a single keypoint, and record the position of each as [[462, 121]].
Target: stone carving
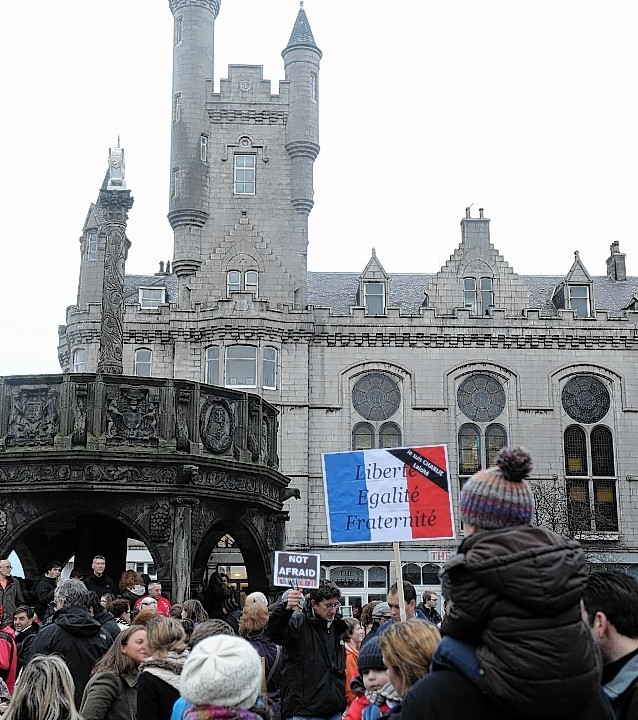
[[258, 435], [111, 334], [34, 416], [4, 522], [181, 424], [241, 484], [22, 474], [216, 425], [131, 417], [79, 416], [131, 474], [160, 522]]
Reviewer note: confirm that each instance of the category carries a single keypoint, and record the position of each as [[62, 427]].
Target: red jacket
[[357, 706], [163, 605], [8, 657]]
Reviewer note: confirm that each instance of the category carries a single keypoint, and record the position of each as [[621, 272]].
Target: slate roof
[[338, 290]]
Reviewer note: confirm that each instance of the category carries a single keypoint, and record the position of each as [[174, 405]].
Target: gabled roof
[[338, 291]]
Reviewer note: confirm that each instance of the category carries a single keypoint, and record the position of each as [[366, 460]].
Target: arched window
[[575, 451], [469, 449], [390, 435], [79, 360], [362, 436], [431, 574], [602, 452], [212, 365], [412, 573], [143, 362], [377, 577], [233, 281], [495, 439]]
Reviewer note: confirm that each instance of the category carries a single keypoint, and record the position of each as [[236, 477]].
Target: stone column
[[114, 202], [181, 553]]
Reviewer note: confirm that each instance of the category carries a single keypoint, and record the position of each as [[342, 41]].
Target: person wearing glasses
[[428, 607], [314, 675]]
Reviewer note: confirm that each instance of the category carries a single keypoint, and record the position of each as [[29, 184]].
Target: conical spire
[[301, 33]]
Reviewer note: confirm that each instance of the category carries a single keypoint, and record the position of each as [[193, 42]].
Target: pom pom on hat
[[370, 656], [222, 670], [500, 496]]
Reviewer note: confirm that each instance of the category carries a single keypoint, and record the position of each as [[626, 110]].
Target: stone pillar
[[181, 555], [113, 204]]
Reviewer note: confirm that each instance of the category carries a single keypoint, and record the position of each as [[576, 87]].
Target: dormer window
[[478, 295], [152, 298], [579, 300], [374, 298]]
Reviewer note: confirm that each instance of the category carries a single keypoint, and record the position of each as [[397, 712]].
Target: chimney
[[475, 232], [616, 268]]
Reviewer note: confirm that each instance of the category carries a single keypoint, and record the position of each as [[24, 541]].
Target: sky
[[523, 108]]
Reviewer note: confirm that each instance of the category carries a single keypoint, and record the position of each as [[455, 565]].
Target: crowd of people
[[526, 631]]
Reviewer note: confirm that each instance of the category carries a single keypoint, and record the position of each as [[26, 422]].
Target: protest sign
[[295, 569], [388, 495]]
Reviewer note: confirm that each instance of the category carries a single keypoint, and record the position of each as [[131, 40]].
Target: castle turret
[[193, 49], [301, 61]]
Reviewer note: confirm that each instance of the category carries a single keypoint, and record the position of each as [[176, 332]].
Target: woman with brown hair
[[194, 610], [251, 626], [131, 586], [408, 648], [111, 693], [352, 639], [158, 686]]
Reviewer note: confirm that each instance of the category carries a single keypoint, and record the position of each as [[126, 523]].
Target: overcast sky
[[524, 108]]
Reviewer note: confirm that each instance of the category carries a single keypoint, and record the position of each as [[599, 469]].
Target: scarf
[[385, 694], [167, 668], [214, 712]]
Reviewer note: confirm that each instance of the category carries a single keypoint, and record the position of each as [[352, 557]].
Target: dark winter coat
[[100, 585], [10, 598], [449, 695], [78, 638], [314, 674], [515, 592], [44, 590], [273, 657], [108, 622], [158, 686]]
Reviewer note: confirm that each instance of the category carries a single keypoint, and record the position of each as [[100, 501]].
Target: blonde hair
[[164, 635], [409, 647], [45, 691], [253, 619]]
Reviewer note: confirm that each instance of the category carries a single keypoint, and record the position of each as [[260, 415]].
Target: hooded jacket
[[158, 686], [314, 674], [78, 638], [515, 593]]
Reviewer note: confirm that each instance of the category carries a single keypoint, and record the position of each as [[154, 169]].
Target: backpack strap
[[274, 665]]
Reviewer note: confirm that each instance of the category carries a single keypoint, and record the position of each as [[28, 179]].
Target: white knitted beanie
[[223, 670]]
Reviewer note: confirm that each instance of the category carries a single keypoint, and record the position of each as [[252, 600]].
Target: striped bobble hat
[[500, 496]]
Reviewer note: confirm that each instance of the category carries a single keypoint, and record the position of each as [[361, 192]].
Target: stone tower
[[242, 159]]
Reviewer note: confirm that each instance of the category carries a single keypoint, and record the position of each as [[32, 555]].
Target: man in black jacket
[[98, 581], [610, 602], [25, 631], [73, 634], [45, 587], [10, 592], [314, 675]]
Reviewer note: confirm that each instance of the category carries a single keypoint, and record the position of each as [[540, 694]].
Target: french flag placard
[[388, 495]]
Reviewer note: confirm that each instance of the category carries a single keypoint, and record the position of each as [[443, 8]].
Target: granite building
[[475, 355]]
